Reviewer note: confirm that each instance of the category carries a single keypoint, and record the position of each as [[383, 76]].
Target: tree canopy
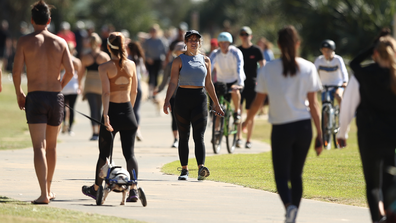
[[352, 24]]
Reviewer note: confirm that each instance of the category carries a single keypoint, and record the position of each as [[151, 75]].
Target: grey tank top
[[193, 71]]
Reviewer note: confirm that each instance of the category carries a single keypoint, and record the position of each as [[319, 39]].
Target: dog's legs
[[106, 192], [125, 193]]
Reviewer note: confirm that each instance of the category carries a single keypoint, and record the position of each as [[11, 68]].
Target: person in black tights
[[289, 82], [191, 71], [119, 90], [376, 120]]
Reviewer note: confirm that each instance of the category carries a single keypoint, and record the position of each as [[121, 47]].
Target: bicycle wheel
[[336, 127], [231, 133], [217, 133], [99, 196], [326, 131]]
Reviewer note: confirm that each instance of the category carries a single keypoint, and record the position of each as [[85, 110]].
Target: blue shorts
[[332, 92]]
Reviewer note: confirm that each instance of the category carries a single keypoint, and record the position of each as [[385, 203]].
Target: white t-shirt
[[331, 72], [72, 86], [229, 66], [288, 95]]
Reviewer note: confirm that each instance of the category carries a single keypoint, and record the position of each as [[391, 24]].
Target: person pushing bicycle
[[332, 70]]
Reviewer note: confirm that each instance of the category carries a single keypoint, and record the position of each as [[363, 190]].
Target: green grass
[[13, 211], [14, 133], [335, 176]]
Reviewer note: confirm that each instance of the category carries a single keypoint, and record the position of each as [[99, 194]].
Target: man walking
[[43, 53], [253, 59]]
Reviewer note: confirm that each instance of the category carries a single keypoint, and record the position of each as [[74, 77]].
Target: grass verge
[[13, 211], [335, 176]]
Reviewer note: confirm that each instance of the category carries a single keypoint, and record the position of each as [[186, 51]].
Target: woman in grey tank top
[[191, 74]]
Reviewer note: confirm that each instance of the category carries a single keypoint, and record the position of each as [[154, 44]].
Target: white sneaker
[[238, 143], [175, 143], [291, 214]]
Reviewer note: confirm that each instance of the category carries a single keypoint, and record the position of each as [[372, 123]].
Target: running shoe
[[291, 214], [175, 143], [238, 143], [133, 196], [203, 172], [89, 191], [237, 118], [94, 137], [183, 175], [248, 145]]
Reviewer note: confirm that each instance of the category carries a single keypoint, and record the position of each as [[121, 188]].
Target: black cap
[[192, 32]]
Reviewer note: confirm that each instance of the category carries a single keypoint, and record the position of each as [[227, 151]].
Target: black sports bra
[[94, 66]]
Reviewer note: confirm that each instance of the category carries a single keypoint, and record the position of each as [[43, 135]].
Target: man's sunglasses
[[244, 34]]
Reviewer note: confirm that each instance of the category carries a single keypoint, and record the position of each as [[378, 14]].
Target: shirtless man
[[43, 54]]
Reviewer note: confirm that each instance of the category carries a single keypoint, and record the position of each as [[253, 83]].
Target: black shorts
[[44, 107], [248, 94], [223, 88]]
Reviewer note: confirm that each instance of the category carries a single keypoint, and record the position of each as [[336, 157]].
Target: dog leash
[[100, 123]]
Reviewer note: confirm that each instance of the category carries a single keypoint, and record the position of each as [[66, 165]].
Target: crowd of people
[[107, 70]]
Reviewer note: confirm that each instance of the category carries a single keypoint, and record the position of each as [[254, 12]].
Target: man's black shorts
[[44, 107]]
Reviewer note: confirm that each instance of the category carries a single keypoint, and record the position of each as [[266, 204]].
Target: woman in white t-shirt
[[289, 82]]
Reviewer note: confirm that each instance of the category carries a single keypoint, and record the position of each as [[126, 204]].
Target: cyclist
[[252, 57], [227, 62], [331, 69]]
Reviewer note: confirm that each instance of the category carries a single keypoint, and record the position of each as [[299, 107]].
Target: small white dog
[[117, 180]]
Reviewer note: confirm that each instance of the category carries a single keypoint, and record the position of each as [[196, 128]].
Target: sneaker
[[89, 191], [94, 137], [248, 145], [175, 143], [183, 175], [238, 143], [203, 172], [237, 118], [291, 214], [133, 196]]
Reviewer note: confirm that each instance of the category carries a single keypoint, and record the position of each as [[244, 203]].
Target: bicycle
[[330, 113], [224, 125]]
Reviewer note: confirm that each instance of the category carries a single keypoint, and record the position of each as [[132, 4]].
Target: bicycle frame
[[226, 128], [330, 125]]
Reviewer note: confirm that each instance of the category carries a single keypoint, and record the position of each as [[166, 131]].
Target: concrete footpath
[[169, 200]]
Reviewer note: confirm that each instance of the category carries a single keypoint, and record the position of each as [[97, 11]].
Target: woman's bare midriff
[[190, 86]]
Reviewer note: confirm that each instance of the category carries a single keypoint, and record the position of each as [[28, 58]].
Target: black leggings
[[70, 99], [375, 160], [153, 70], [95, 105], [174, 125], [136, 107], [122, 120], [290, 144], [191, 108]]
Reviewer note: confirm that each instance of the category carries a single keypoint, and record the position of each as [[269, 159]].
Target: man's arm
[[240, 70], [67, 64], [16, 74]]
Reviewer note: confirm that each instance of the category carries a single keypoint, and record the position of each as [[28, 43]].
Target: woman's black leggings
[[95, 105], [136, 107], [70, 99], [123, 120], [375, 159], [191, 109], [174, 125], [290, 144]]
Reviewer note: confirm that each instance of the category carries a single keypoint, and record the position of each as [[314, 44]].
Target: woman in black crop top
[[119, 90], [376, 121], [92, 88]]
